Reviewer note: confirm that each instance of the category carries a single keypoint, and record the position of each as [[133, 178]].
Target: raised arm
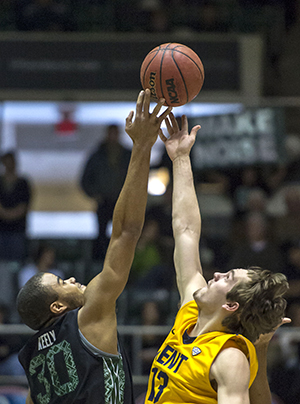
[[186, 219], [128, 218]]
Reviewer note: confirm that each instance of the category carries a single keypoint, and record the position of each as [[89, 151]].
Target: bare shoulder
[[231, 366]]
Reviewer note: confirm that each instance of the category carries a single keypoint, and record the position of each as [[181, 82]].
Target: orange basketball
[[174, 72]]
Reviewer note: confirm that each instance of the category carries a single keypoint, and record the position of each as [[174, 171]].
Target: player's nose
[[71, 280]]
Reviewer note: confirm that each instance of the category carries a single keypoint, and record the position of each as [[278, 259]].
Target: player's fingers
[[165, 114], [146, 102], [195, 130], [162, 136], [174, 122], [139, 103], [129, 117], [158, 106], [169, 126], [184, 123]]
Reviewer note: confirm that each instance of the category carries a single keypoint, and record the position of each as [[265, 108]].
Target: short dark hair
[[261, 303], [8, 155], [34, 300]]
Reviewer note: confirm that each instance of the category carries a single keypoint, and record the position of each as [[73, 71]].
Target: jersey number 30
[[48, 360]]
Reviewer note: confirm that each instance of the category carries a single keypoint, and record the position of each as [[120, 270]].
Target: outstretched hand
[[180, 141], [145, 128], [264, 339]]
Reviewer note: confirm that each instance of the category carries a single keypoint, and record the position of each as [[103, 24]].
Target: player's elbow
[[182, 227], [130, 232]]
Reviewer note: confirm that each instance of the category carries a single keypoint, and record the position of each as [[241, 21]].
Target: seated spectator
[[151, 267], [257, 201], [150, 315], [292, 269], [210, 17], [249, 181], [148, 253], [258, 249], [43, 261], [287, 226], [292, 166], [153, 16]]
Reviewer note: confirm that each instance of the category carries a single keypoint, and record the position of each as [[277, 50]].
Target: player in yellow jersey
[[209, 356]]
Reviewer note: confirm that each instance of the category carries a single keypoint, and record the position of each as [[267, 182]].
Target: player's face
[[218, 287], [69, 291]]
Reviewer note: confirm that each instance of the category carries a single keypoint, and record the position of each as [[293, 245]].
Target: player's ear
[[57, 307], [231, 306]]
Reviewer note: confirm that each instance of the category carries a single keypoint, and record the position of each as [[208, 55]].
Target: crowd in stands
[[272, 19], [148, 15]]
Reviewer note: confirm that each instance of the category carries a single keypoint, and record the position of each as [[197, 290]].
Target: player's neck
[[205, 324]]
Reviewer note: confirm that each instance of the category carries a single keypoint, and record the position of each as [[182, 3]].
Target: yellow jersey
[[180, 370]]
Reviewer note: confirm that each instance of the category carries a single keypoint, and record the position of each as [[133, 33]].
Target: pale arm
[[232, 374], [186, 219]]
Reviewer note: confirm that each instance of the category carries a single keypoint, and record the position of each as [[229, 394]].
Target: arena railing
[[285, 337]]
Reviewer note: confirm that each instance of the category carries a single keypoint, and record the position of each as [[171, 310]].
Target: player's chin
[[196, 293]]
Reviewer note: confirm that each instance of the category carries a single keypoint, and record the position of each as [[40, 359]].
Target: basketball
[[174, 72]]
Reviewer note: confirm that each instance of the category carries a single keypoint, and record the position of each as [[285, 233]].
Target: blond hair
[[261, 303]]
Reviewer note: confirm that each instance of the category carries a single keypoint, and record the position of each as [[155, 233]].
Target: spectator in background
[[210, 17], [148, 251], [102, 180], [248, 182], [292, 270], [258, 248], [152, 16], [291, 170], [287, 226], [250, 192], [152, 267], [15, 197], [44, 260], [151, 315]]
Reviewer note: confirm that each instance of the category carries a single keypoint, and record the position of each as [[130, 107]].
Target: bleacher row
[[128, 16]]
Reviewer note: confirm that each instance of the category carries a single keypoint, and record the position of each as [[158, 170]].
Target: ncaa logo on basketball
[[171, 88], [196, 351], [152, 81]]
